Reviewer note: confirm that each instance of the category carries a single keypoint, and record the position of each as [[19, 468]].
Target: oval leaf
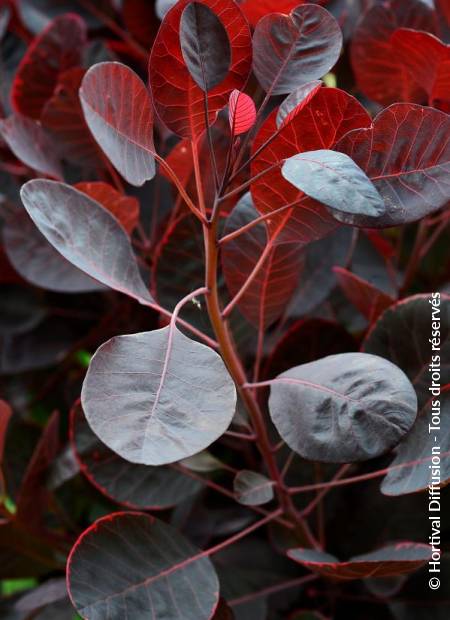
[[267, 297], [289, 50], [85, 234], [205, 46], [412, 468], [31, 144], [122, 126], [157, 397], [132, 564], [135, 486], [241, 112], [179, 101], [397, 559], [58, 48], [48, 269], [390, 338], [252, 488], [406, 154], [343, 408], [308, 129], [334, 180]]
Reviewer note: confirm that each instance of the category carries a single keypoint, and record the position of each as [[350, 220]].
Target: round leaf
[[343, 408], [132, 565], [135, 486], [157, 397], [289, 50], [252, 488]]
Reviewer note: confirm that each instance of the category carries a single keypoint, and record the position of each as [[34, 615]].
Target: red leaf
[[369, 300], [121, 125], [56, 49], [406, 154], [124, 208], [427, 60], [63, 117], [396, 559], [328, 116], [241, 113], [379, 71], [5, 414], [266, 298], [255, 9], [177, 98], [140, 20]]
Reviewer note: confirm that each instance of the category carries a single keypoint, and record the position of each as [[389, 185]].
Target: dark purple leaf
[[295, 102], [135, 486], [122, 126], [38, 262], [86, 235], [50, 591], [157, 397], [205, 45], [289, 50], [396, 559], [252, 488], [334, 180], [402, 334], [21, 309], [406, 154], [412, 468], [31, 144], [343, 408], [132, 564]]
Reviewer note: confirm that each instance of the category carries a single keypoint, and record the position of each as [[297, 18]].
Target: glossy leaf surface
[[141, 566], [143, 384], [343, 408], [289, 50], [85, 234], [121, 125]]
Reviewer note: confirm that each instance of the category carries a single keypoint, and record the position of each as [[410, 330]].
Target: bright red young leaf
[[319, 124], [241, 112], [369, 300], [124, 208], [266, 298], [254, 10], [289, 50], [63, 118], [406, 154], [177, 98], [427, 59], [379, 70], [122, 125], [396, 559], [58, 48], [31, 144]]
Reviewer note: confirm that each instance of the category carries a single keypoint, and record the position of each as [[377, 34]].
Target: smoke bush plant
[[251, 248]]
